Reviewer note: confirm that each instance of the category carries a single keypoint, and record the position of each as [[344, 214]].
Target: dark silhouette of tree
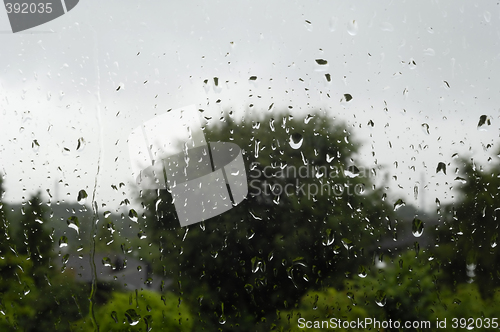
[[468, 238], [243, 267]]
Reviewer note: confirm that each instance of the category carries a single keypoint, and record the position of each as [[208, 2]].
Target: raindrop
[[253, 78], [347, 97], [362, 271], [328, 77], [107, 214], [26, 290], [425, 127], [321, 62], [484, 121], [399, 203], [81, 144], [63, 242], [35, 145], [133, 317], [441, 167], [82, 197], [308, 118], [74, 223], [352, 171], [493, 241], [386, 26], [329, 238], [370, 123], [380, 298], [296, 141], [271, 124], [347, 243], [429, 52], [352, 27], [132, 214], [106, 261], [114, 315], [309, 25], [417, 227]]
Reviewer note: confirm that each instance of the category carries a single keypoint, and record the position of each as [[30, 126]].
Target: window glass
[[248, 166]]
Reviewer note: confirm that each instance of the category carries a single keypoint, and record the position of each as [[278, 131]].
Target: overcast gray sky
[[58, 83]]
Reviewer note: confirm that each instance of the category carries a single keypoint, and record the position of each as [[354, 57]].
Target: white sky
[[60, 86]]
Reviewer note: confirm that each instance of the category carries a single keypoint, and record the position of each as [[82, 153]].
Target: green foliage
[[140, 311], [264, 254], [469, 236], [405, 290], [323, 306]]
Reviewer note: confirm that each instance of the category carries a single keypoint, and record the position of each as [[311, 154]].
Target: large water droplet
[[81, 144], [82, 197], [399, 203], [114, 315], [296, 141], [329, 238], [484, 122], [352, 27], [380, 298], [425, 127], [74, 223], [133, 317], [417, 227], [63, 242], [441, 167]]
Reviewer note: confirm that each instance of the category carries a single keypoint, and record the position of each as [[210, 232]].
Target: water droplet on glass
[[106, 261], [487, 16], [399, 203], [362, 271], [386, 26], [133, 317], [329, 238], [417, 227], [347, 243], [347, 97], [429, 52], [380, 298], [441, 167], [308, 118], [425, 127], [308, 25], [321, 62], [74, 223], [114, 315], [107, 214], [352, 27], [82, 197], [63, 241], [35, 145], [26, 290], [296, 141], [484, 121], [132, 214], [81, 144]]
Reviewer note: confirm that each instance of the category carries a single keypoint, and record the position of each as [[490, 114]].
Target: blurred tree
[[309, 217], [36, 241], [468, 239], [140, 311]]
